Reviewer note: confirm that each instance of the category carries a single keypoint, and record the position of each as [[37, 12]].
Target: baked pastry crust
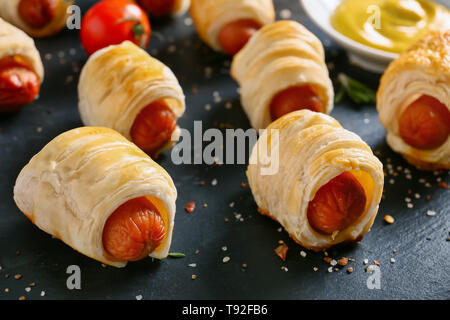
[[424, 69], [118, 81], [9, 11], [312, 149], [210, 16], [280, 55], [14, 41], [181, 7], [71, 187]]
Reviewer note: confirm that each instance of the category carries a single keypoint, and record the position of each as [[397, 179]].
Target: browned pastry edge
[[316, 249], [425, 166]]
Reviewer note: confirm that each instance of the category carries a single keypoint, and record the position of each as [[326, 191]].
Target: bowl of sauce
[[375, 31]]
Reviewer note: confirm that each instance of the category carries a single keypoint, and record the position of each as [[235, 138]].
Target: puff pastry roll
[[21, 69], [320, 181], [122, 87], [38, 18], [165, 7], [100, 194], [282, 69], [226, 25], [413, 101]]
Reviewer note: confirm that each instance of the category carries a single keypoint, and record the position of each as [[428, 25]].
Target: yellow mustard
[[389, 25]]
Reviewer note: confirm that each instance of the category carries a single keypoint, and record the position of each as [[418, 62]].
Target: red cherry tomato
[[112, 22], [157, 7]]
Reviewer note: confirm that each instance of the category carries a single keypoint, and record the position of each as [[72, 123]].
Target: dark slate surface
[[421, 269]]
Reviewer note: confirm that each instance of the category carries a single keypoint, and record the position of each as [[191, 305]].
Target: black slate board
[[421, 269]]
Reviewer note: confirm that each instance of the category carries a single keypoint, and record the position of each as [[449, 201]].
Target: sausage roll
[[38, 18], [413, 102], [122, 87], [165, 7], [226, 25], [21, 69], [282, 69], [100, 194], [320, 181]]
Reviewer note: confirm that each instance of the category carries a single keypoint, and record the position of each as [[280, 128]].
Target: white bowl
[[364, 56]]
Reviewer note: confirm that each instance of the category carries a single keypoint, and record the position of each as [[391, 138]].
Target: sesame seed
[[226, 259], [139, 297], [27, 289], [303, 254], [285, 14], [224, 248], [392, 260], [333, 262], [315, 269], [330, 269], [214, 182], [193, 277], [389, 219], [366, 261], [431, 213], [42, 293]]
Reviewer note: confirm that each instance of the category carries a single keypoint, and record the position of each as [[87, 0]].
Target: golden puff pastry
[[9, 10], [71, 187], [14, 42], [421, 73], [279, 56], [310, 149], [119, 81], [181, 6], [165, 7], [210, 16]]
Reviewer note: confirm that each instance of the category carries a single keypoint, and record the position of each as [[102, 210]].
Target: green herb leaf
[[176, 255], [355, 90]]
